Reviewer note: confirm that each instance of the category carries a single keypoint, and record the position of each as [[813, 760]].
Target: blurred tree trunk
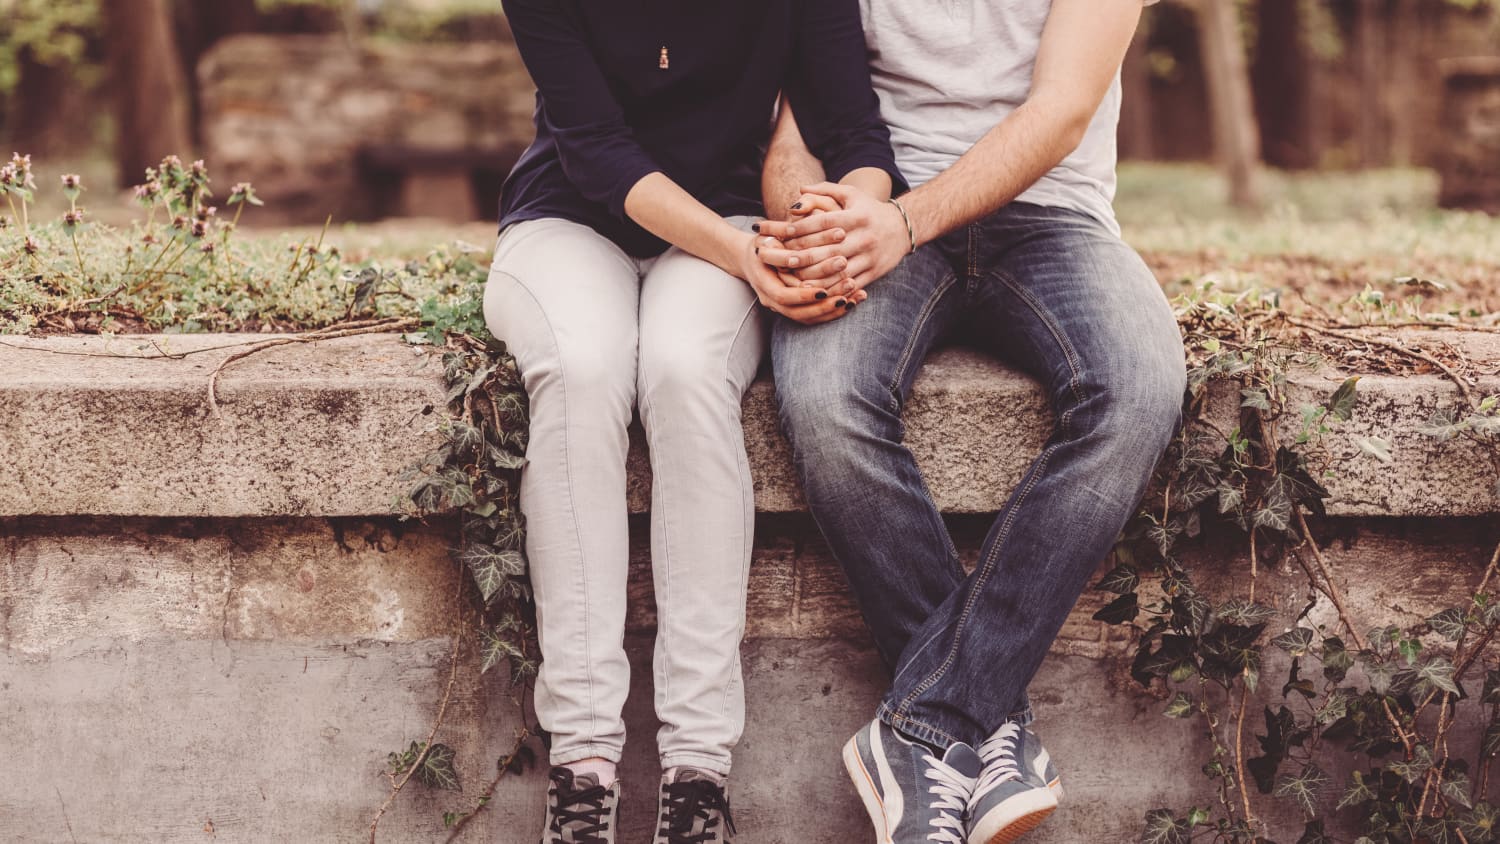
[[150, 90], [1236, 134], [200, 25], [1405, 84], [1370, 56], [1280, 77], [36, 118], [1137, 122]]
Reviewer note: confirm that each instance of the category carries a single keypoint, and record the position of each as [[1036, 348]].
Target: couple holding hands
[[937, 171]]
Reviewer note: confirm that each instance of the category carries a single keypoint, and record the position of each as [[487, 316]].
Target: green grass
[[1334, 216], [1361, 228]]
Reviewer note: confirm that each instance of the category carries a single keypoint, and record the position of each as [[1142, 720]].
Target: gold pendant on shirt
[[665, 63]]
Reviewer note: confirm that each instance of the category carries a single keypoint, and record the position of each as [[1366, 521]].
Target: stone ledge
[[89, 426]]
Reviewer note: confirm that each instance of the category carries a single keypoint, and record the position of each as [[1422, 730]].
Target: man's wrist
[[911, 232], [916, 207]]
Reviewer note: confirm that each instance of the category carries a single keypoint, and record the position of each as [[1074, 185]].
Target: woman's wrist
[[732, 244]]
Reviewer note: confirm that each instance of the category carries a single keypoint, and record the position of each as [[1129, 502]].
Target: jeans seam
[[986, 567], [746, 507], [923, 317], [905, 724], [562, 378]]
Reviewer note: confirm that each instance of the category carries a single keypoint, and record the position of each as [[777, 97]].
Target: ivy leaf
[[1295, 683], [1409, 648], [1231, 650], [1342, 403], [1303, 787], [1198, 816], [1255, 399], [1120, 580], [1121, 610], [1295, 641], [493, 648], [1491, 692], [1450, 623], [1336, 659], [1245, 612], [1230, 498], [1378, 672], [1415, 768], [505, 459], [1276, 515], [1334, 708], [1437, 831], [436, 770], [1438, 671], [1181, 705], [1164, 536], [1163, 827], [492, 567], [1456, 788], [1357, 793], [1313, 834], [1480, 823], [1491, 743], [1191, 611], [1377, 447]]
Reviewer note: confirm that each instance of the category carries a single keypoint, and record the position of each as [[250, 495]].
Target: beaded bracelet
[[910, 231]]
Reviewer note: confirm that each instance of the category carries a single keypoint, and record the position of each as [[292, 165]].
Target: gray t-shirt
[[948, 71]]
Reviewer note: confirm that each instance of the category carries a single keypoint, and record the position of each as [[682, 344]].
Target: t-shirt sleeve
[[830, 91], [598, 151]]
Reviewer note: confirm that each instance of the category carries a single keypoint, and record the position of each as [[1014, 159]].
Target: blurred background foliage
[[1259, 88]]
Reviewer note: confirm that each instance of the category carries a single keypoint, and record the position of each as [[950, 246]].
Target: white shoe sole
[[1017, 816], [865, 785]]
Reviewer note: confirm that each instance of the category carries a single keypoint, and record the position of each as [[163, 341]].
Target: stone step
[[109, 426], [160, 678]]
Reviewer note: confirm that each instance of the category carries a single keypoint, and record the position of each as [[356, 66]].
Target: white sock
[[671, 774], [601, 768]]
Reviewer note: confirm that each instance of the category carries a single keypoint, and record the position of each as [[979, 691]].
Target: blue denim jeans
[[1058, 295]]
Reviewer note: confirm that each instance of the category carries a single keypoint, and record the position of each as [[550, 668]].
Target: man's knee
[[829, 412], [1137, 408]]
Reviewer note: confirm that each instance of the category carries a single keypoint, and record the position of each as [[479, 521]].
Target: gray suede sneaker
[[580, 810], [1018, 789], [694, 809], [913, 797]]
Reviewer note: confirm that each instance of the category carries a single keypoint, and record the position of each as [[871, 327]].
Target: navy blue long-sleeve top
[[608, 114]]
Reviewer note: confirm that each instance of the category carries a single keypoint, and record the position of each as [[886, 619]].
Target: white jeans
[[595, 333]]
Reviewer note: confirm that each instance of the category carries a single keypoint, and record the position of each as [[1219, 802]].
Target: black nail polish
[[797, 207], [755, 227], [822, 294], [842, 303], [850, 308]]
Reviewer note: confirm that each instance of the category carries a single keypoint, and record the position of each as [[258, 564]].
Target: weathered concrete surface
[[161, 676], [328, 429], [327, 433]]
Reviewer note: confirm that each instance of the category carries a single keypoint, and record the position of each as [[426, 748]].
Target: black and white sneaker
[[913, 797], [694, 809], [580, 810], [1018, 789]]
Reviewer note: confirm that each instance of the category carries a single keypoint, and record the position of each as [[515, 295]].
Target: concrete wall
[[187, 655]]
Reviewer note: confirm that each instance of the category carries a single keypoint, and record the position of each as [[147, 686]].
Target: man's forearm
[[1004, 164], [789, 166]]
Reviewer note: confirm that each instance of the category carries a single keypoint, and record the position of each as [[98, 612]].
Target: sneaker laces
[[950, 791], [1001, 760], [687, 802], [579, 811]]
